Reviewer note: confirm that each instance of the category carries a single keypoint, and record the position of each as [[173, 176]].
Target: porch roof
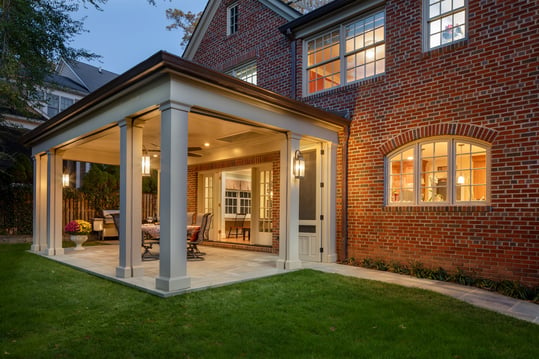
[[165, 63]]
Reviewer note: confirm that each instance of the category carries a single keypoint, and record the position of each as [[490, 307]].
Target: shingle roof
[[91, 76]]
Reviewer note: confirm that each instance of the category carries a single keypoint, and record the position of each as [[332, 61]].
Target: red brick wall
[[257, 38], [485, 87]]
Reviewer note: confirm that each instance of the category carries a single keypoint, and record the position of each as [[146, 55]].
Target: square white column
[[39, 240], [54, 204], [130, 262], [289, 213], [173, 198]]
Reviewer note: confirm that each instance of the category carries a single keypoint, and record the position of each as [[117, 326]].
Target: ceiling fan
[[190, 150]]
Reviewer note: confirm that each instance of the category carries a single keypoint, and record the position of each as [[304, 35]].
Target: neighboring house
[[440, 165], [70, 82], [416, 122]]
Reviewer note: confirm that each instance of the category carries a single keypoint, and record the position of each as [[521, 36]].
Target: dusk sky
[[127, 32]]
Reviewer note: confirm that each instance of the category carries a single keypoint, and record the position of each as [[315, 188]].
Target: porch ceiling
[[218, 139]]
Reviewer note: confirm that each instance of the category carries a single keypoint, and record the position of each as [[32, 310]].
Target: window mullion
[[417, 173], [451, 172]]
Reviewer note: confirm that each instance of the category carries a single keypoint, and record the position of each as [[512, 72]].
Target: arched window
[[447, 170]]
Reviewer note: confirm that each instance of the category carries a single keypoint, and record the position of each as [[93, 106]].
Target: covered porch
[[195, 122]]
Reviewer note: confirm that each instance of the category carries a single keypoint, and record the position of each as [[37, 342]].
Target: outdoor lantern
[[65, 180], [145, 164], [299, 165]]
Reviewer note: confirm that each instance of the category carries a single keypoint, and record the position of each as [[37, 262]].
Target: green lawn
[[48, 310]]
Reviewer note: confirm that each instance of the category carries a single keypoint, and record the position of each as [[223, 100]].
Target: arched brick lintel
[[443, 129]]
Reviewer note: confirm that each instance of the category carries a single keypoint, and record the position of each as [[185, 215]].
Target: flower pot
[[79, 239]]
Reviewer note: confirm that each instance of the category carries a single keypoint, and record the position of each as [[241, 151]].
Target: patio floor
[[220, 267]]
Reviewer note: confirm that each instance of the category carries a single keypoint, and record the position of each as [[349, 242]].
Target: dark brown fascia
[[165, 62]]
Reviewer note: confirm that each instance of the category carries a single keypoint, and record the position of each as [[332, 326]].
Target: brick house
[[392, 130], [440, 163]]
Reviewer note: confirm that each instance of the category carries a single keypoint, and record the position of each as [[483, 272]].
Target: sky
[[127, 32]]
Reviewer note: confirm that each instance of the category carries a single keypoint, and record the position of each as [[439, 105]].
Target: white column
[[54, 204], [130, 264], [289, 213], [39, 241], [329, 202], [173, 198]]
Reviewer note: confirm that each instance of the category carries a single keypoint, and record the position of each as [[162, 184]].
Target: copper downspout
[[345, 190]]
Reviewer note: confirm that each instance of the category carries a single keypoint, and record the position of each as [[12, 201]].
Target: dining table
[[153, 230]]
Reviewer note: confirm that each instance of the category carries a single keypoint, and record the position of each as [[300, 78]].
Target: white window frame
[[232, 16], [245, 72], [342, 53], [452, 177], [238, 200], [427, 20]]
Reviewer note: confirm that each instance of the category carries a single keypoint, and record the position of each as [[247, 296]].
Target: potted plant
[[79, 231]]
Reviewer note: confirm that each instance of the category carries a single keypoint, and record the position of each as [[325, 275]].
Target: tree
[[185, 21], [34, 34], [101, 185]]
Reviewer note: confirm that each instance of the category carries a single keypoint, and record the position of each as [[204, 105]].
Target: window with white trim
[[56, 104], [237, 202], [232, 19], [446, 22], [438, 171], [245, 72], [349, 53]]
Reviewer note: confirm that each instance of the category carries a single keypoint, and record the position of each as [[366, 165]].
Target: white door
[[207, 201], [310, 243], [263, 208]]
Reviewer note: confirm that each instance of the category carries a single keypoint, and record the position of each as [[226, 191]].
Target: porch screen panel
[[307, 188]]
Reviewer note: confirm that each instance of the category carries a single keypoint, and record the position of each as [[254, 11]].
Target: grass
[[48, 310]]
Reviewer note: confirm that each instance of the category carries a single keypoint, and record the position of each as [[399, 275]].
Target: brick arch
[[443, 129]]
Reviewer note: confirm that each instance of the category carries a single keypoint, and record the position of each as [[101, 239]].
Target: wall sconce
[[145, 164], [299, 165], [65, 180]]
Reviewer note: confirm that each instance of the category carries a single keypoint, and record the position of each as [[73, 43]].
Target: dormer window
[[232, 19]]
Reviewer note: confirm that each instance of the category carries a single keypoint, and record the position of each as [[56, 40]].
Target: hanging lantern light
[[299, 165], [146, 170], [65, 180]]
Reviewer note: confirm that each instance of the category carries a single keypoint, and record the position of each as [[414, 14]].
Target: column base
[[123, 272], [129, 272], [289, 265], [172, 284], [53, 251], [36, 248]]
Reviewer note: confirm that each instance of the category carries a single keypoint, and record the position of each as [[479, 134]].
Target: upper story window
[[245, 72], [351, 52], [446, 21], [56, 104], [438, 171], [232, 19]]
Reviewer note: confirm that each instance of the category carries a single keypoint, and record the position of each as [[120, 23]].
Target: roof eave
[[163, 61]]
